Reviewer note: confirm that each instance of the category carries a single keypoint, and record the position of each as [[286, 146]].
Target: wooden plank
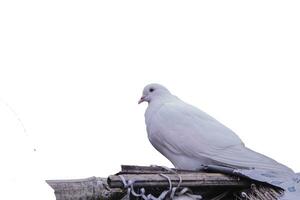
[[132, 169], [194, 179]]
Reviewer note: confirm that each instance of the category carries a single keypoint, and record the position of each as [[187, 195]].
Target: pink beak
[[142, 99]]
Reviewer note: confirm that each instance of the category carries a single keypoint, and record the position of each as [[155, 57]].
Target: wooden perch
[[207, 184]]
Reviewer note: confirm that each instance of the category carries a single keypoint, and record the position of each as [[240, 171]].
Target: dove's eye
[[151, 89]]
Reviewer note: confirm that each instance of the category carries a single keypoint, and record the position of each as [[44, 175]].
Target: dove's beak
[[142, 99]]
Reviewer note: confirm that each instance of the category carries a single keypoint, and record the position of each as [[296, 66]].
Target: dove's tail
[[242, 157]]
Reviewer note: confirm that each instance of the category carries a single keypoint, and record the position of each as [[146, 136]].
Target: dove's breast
[[162, 138], [179, 160]]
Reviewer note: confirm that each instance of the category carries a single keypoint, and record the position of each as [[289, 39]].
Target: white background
[[71, 73]]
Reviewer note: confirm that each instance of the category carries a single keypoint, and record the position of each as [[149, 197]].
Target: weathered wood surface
[[84, 189], [133, 169]]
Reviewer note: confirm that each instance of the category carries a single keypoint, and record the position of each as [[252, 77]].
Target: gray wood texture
[[84, 189]]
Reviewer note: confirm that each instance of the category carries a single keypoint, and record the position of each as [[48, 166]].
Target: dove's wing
[[187, 131]]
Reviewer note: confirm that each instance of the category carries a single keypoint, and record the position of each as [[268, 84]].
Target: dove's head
[[153, 91]]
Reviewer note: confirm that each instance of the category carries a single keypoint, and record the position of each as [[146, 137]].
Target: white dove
[[191, 139]]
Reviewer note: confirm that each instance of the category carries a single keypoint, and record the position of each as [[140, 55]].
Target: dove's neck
[[162, 99], [156, 103]]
